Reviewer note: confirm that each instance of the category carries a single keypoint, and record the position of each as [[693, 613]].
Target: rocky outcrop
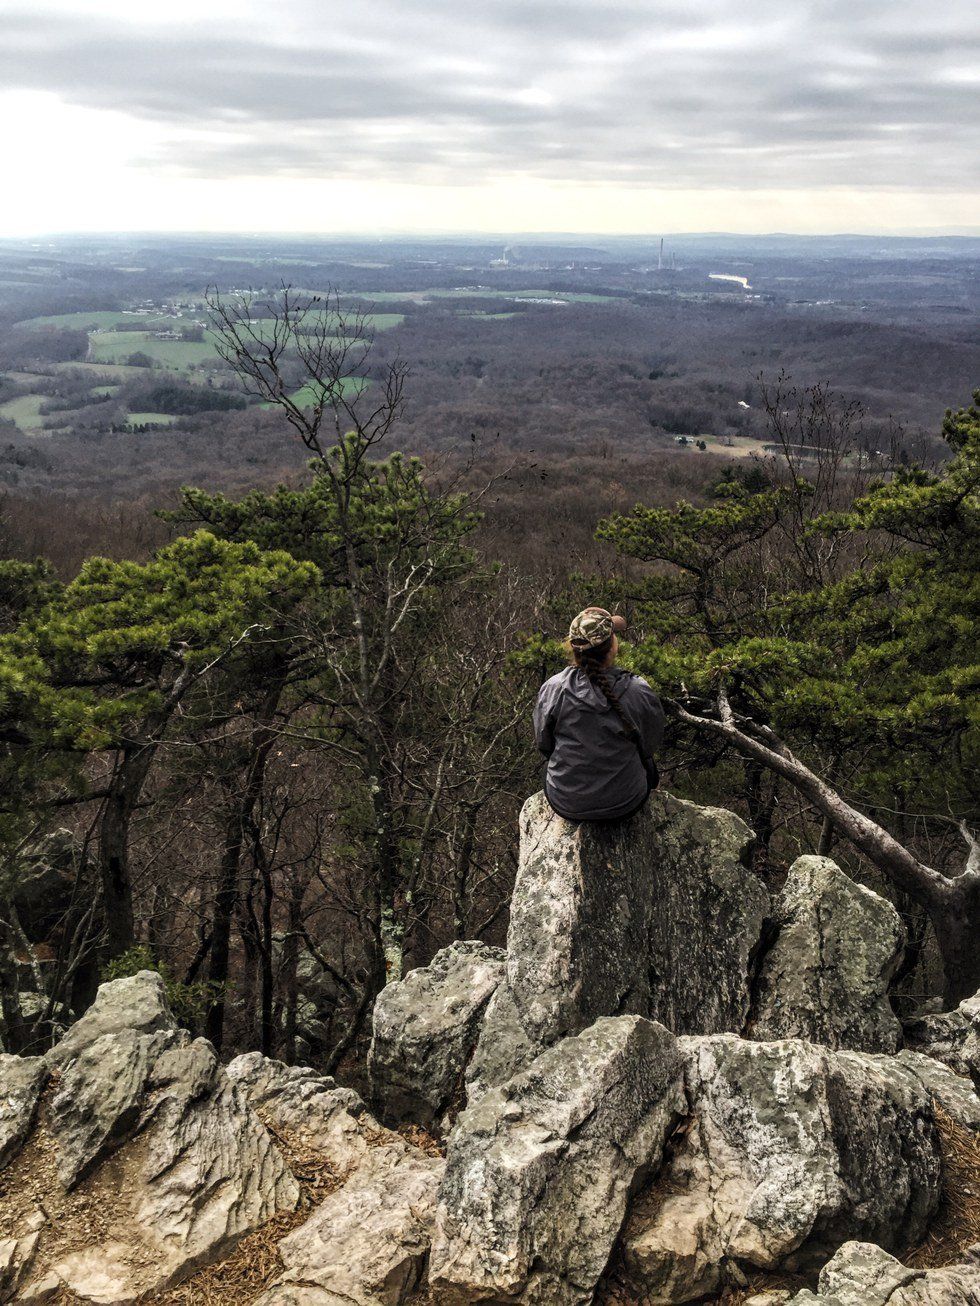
[[861, 1274], [631, 1122], [17, 1255], [540, 1170], [100, 1098], [792, 1149], [367, 1243], [308, 1106], [954, 1093], [950, 1036], [159, 1141], [425, 1030], [605, 920], [825, 977]]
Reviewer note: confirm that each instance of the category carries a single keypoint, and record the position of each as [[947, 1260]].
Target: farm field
[[110, 319], [306, 396], [175, 355], [25, 411], [101, 372], [151, 419]]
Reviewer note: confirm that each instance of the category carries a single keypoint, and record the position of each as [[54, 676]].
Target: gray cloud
[[708, 93]]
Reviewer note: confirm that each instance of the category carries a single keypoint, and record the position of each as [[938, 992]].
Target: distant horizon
[[488, 234]]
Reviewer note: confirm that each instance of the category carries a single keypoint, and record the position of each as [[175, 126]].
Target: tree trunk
[[125, 789], [251, 953], [387, 870], [289, 980], [266, 970], [461, 873], [957, 925], [224, 907], [240, 820]]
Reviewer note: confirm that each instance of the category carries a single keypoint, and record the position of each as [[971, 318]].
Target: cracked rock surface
[[366, 1244], [605, 920], [170, 1164], [21, 1082], [792, 1149], [825, 977], [950, 1036], [425, 1029], [540, 1170], [862, 1274]]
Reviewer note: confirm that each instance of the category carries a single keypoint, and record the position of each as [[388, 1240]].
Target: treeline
[[185, 400]]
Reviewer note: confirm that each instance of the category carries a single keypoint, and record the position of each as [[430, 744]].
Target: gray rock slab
[[825, 977], [792, 1149], [365, 1244], [950, 1036], [540, 1170], [863, 1274], [655, 916], [137, 1003], [425, 1029], [297, 1099], [99, 1101]]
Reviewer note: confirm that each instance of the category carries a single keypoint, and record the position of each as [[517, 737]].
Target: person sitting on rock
[[598, 726]]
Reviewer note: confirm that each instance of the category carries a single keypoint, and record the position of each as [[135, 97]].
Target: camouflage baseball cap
[[592, 627]]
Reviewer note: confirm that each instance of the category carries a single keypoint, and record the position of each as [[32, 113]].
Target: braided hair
[[592, 661]]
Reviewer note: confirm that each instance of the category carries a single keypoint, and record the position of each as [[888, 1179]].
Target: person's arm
[[544, 721], [650, 718]]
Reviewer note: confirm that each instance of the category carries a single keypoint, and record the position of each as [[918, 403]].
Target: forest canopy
[[281, 759]]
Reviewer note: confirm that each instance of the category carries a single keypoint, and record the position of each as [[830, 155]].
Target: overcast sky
[[506, 115]]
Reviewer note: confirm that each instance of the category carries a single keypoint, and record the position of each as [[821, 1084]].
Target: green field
[[151, 419], [307, 395], [25, 411], [107, 320], [104, 391], [175, 355], [107, 372]]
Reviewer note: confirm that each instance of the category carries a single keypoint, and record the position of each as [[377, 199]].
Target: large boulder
[[211, 1172], [792, 1149], [137, 1004], [954, 1093], [22, 1080], [825, 977], [540, 1170], [503, 1048], [862, 1274], [366, 1244], [148, 1158], [425, 1030], [656, 916], [950, 1036], [17, 1255]]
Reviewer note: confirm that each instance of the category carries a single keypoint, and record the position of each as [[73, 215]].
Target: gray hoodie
[[594, 771]]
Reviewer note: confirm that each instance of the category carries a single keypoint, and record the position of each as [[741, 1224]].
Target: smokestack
[[660, 260]]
